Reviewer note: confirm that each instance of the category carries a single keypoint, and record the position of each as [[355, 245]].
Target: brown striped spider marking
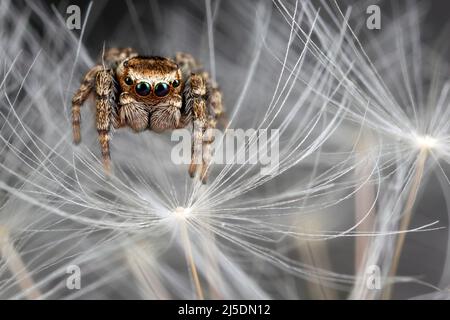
[[152, 93]]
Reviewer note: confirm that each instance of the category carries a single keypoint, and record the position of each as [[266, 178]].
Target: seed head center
[[426, 142], [181, 212]]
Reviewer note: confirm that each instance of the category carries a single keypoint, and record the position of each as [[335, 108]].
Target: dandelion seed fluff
[[283, 65]]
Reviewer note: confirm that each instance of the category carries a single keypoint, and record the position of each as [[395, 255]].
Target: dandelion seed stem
[[16, 266], [364, 212], [190, 261], [316, 254], [213, 277], [406, 217]]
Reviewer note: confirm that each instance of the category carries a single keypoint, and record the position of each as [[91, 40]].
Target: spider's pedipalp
[[132, 114]]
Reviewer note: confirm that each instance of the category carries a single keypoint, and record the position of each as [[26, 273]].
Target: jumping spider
[[152, 93]]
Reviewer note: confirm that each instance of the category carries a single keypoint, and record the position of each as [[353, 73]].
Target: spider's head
[[155, 84]]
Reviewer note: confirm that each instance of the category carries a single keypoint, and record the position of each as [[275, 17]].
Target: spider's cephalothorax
[[151, 93]]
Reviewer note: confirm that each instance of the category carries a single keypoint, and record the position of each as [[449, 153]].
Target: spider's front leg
[[204, 100], [201, 135], [104, 105], [79, 98], [110, 58]]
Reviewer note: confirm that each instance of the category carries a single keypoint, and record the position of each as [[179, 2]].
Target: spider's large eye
[[143, 88], [161, 89]]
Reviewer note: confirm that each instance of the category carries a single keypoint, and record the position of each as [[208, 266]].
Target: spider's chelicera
[[152, 93]]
